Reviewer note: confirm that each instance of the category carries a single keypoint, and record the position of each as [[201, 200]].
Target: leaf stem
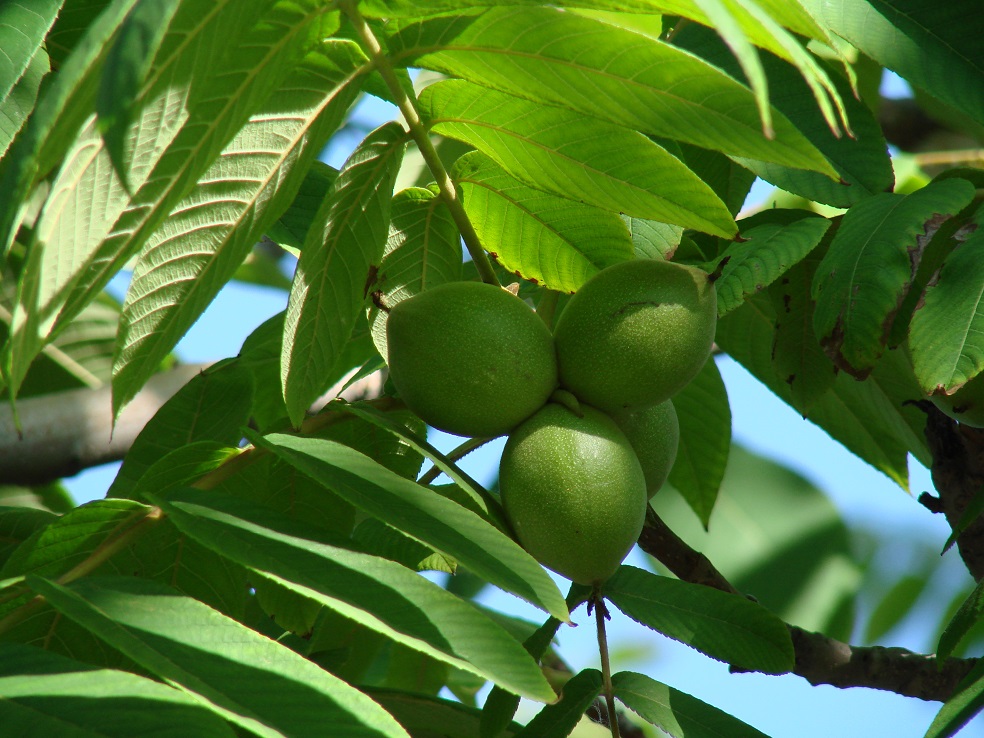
[[459, 452], [601, 613], [407, 104]]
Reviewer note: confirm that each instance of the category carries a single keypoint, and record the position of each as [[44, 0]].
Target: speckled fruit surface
[[636, 333], [654, 432], [470, 358], [574, 491]]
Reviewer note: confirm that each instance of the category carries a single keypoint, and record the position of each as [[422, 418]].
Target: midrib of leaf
[[802, 155], [280, 42], [310, 351], [61, 254], [166, 297]]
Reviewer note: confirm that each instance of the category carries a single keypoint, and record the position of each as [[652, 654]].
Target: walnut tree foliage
[[254, 569]]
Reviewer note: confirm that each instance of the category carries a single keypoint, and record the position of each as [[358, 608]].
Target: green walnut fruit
[[470, 358], [654, 433], [573, 491], [966, 405], [636, 333]]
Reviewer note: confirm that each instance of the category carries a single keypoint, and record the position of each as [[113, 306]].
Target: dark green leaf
[[797, 357], [961, 707], [772, 245], [423, 250], [292, 227], [969, 614], [128, 65], [46, 694], [723, 626], [779, 538], [586, 160], [213, 406], [946, 336], [430, 717], [705, 440], [870, 418], [17, 104], [676, 713], [418, 511], [894, 605], [932, 46], [17, 524], [558, 720], [344, 242], [573, 240], [238, 674], [380, 594], [869, 266], [23, 26]]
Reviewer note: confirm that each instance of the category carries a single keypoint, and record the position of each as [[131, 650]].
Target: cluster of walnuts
[[592, 430]]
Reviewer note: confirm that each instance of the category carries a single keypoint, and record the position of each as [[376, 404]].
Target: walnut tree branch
[[819, 659]]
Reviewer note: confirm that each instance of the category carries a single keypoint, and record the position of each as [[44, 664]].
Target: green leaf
[[128, 66], [867, 270], [380, 594], [213, 406], [46, 694], [558, 720], [431, 717], [869, 418], [23, 26], [17, 104], [969, 614], [500, 706], [185, 263], [961, 707], [292, 227], [586, 160], [778, 537], [550, 240], [730, 181], [705, 440], [933, 47], [676, 713], [797, 357], [379, 539], [652, 240], [946, 335], [419, 512], [17, 524], [61, 110], [423, 250], [774, 242], [724, 626], [479, 499], [251, 681], [176, 151], [345, 241], [894, 605], [605, 72], [69, 539]]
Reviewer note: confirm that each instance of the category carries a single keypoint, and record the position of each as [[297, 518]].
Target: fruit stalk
[[408, 107], [601, 612]]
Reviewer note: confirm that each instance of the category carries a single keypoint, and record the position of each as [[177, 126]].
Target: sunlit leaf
[[236, 673], [418, 511], [380, 594], [569, 155], [188, 260], [423, 250], [558, 720], [345, 241], [605, 72]]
